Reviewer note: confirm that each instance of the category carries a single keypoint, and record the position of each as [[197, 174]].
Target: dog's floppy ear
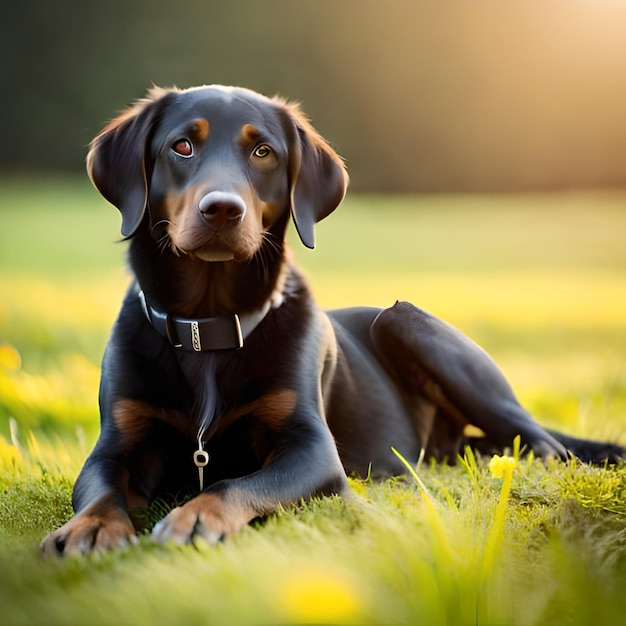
[[318, 177], [119, 163]]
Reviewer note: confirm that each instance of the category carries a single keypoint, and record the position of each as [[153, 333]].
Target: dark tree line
[[417, 95]]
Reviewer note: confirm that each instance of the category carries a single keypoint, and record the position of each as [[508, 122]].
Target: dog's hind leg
[[424, 353]]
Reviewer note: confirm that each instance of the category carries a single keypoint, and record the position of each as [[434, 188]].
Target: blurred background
[[486, 143], [417, 95]]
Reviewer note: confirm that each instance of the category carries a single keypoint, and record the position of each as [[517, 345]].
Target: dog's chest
[[216, 394], [204, 398], [220, 417]]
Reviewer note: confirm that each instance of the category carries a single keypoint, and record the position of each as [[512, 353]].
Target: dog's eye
[[183, 148], [262, 151]]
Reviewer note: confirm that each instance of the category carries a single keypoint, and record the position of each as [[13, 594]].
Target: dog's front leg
[[102, 521], [304, 463]]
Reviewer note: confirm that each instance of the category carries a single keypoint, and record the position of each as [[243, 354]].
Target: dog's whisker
[[264, 258], [163, 244], [272, 241], [162, 239], [160, 223], [173, 247], [259, 260]]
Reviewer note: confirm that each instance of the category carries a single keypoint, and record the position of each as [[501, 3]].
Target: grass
[[537, 280]]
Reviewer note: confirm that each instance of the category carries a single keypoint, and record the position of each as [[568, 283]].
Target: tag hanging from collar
[[201, 459]]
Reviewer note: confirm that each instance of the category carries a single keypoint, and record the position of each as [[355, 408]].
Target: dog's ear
[[318, 177], [119, 161]]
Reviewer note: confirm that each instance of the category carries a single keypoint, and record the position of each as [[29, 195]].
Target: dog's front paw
[[90, 532], [207, 517]]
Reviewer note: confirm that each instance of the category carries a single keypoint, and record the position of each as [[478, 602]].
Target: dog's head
[[212, 169]]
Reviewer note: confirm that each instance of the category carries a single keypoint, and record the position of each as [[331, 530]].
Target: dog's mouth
[[213, 246], [205, 246], [213, 254]]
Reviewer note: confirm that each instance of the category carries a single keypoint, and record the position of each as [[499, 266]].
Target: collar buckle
[[202, 335], [206, 334]]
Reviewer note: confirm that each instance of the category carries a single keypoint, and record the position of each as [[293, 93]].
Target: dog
[[221, 379]]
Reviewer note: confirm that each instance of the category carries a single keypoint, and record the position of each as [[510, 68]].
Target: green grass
[[538, 280]]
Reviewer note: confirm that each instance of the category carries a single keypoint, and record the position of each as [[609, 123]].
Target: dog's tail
[[596, 452]]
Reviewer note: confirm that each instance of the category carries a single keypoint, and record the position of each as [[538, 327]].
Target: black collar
[[201, 335]]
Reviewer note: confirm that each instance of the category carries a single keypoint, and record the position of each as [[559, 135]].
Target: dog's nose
[[219, 207]]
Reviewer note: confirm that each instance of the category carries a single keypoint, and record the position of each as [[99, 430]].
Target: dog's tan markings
[[434, 392], [176, 203], [200, 130], [270, 212], [135, 419], [179, 211], [102, 526], [209, 516], [249, 134], [272, 409], [275, 407], [132, 419], [473, 431]]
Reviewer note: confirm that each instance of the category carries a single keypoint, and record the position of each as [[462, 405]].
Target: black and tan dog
[[221, 377]]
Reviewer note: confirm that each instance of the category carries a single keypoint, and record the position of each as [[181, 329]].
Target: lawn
[[538, 280]]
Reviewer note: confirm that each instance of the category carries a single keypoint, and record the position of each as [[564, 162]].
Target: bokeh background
[[486, 143], [418, 95]]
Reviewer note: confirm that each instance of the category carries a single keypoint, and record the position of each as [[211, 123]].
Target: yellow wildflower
[[501, 465], [317, 596], [10, 457], [10, 359]]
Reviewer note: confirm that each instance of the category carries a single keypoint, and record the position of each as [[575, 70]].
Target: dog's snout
[[219, 208]]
